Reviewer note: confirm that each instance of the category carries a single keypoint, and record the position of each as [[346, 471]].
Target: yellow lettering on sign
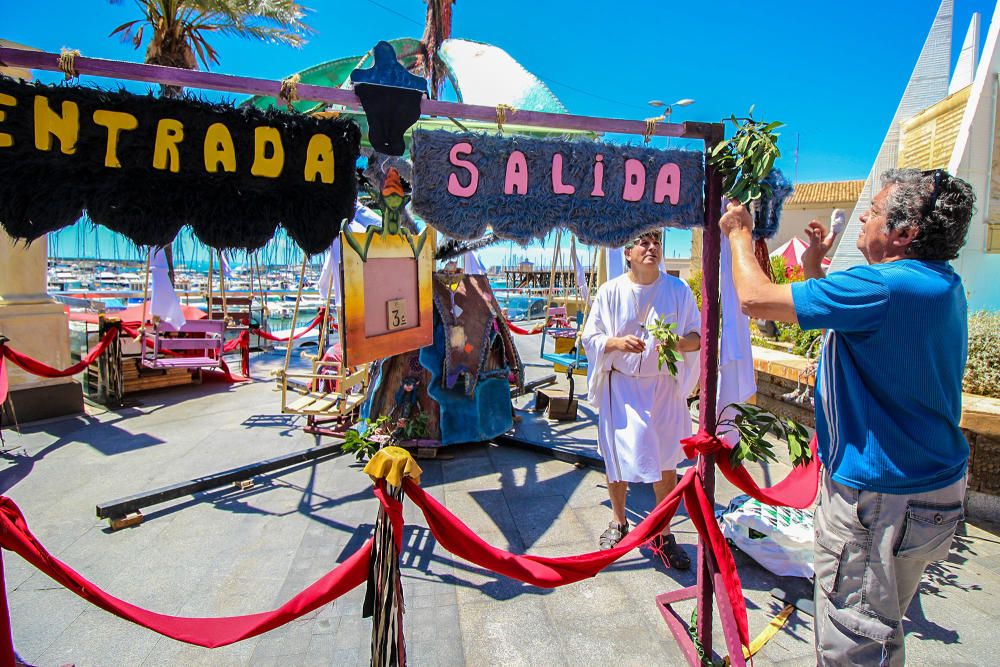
[[219, 149], [6, 140], [116, 122], [169, 133], [268, 167], [319, 159], [48, 123]]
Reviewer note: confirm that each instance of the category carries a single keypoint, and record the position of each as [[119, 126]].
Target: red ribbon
[[522, 332], [41, 369], [4, 382], [548, 572], [312, 325], [798, 489], [452, 534], [394, 510], [207, 632]]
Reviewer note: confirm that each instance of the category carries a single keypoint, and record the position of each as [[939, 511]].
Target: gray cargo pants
[[871, 551]]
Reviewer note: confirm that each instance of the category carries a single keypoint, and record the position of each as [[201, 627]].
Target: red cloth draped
[[797, 490], [519, 331], [40, 369], [4, 383], [312, 325], [548, 572], [241, 341], [207, 632]]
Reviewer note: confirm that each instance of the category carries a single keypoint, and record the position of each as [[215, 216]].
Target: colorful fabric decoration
[[523, 187], [391, 98], [145, 167]]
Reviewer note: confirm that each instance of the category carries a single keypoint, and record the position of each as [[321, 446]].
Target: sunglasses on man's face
[[939, 175]]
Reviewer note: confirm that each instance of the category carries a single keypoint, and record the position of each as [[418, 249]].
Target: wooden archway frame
[[708, 574]]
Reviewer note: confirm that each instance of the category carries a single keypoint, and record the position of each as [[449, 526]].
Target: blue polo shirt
[[889, 383]]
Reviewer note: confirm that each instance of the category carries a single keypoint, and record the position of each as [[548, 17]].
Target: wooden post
[[707, 416]]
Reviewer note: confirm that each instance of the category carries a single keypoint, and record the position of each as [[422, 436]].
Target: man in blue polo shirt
[[888, 403]]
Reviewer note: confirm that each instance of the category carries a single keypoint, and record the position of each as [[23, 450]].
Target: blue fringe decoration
[[768, 209], [606, 221]]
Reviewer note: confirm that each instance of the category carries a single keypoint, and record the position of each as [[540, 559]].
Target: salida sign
[[146, 166], [523, 188]]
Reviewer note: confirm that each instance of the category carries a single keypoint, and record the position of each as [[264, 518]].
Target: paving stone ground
[[230, 552]]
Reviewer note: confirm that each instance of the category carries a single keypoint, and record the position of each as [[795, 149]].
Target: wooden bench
[[198, 344], [339, 401]]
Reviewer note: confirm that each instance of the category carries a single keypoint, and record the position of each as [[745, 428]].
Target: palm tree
[[437, 28], [180, 30]]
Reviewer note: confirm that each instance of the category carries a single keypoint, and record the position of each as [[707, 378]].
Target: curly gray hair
[[938, 204]]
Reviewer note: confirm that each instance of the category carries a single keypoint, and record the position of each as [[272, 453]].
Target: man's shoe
[[666, 547], [613, 535]]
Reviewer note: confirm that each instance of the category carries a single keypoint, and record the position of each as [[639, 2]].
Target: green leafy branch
[[753, 424], [746, 158], [667, 339], [363, 446], [416, 427]]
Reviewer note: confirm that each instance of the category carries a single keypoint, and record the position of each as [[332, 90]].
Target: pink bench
[[198, 344]]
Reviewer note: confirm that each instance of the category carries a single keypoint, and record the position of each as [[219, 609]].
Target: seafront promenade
[[236, 551]]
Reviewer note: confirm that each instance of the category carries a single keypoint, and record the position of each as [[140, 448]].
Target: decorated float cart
[[243, 172]]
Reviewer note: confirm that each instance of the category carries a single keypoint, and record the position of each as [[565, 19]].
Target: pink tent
[[792, 252]]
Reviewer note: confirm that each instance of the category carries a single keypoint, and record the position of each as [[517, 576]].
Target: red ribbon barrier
[[547, 572], [798, 489], [522, 332], [40, 369], [276, 339], [4, 382], [394, 510], [207, 632]]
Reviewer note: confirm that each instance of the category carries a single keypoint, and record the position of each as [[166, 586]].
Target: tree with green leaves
[[179, 30], [179, 33]]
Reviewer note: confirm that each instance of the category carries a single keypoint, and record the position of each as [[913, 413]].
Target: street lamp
[[665, 116]]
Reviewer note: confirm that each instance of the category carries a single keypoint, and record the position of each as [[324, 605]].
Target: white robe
[[642, 411]]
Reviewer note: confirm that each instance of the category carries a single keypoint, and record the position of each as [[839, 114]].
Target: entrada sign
[[145, 166], [523, 188]]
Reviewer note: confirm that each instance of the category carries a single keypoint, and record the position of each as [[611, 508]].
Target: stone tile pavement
[[235, 552]]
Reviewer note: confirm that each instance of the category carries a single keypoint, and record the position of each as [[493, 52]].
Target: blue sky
[[833, 72]]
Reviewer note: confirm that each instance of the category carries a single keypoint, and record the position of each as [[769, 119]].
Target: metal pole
[[707, 416]]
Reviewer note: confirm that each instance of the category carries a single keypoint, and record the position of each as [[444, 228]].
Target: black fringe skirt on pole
[[384, 596]]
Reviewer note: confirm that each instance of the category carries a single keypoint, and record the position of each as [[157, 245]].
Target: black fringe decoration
[[43, 191], [453, 248], [384, 595]]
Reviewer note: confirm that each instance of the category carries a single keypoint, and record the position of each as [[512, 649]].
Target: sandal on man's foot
[[671, 553], [613, 535]]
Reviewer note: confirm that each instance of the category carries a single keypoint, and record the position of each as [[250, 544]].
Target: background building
[[814, 201]]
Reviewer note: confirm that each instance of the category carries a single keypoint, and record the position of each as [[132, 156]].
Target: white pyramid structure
[[928, 84], [976, 158], [968, 59]]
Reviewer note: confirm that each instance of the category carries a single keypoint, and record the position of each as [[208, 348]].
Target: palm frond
[[194, 21]]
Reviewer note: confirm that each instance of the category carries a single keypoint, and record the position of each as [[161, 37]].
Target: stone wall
[[779, 373]]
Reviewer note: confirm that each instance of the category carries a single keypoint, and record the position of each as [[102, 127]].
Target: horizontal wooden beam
[[123, 506], [185, 78]]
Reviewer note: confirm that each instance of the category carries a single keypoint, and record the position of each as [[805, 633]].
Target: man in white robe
[[642, 410]]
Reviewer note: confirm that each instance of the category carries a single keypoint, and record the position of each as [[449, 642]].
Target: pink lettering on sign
[[558, 187], [668, 184], [598, 190], [464, 149], [516, 180], [635, 180]]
